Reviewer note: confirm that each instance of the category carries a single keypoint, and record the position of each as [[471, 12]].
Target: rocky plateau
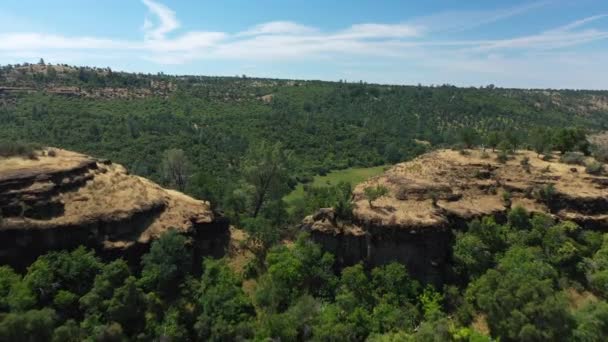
[[59, 199], [436, 194]]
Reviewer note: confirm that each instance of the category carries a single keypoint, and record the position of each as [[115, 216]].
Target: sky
[[522, 44]]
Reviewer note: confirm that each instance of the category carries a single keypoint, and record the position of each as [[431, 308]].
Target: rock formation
[[60, 199], [439, 192]]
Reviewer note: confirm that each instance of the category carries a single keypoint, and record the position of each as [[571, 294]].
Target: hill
[[428, 198], [133, 118], [57, 199]]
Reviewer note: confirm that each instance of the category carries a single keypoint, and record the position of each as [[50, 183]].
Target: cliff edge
[[441, 191], [60, 199]]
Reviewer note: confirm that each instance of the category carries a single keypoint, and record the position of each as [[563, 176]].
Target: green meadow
[[351, 175]]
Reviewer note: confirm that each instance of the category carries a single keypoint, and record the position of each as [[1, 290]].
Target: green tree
[[570, 139], [520, 298], [373, 193], [127, 307], [29, 326], [266, 171], [168, 261], [469, 137], [176, 168], [261, 235], [492, 139], [226, 312], [8, 279], [542, 141], [112, 276], [592, 322], [596, 269]]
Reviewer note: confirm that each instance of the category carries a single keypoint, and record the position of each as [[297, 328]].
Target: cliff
[[433, 195], [60, 199]]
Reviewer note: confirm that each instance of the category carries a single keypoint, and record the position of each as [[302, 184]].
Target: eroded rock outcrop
[[439, 192], [63, 199]]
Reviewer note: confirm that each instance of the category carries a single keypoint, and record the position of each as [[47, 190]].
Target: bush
[[502, 157], [52, 153], [594, 168], [525, 164], [506, 199], [13, 149], [546, 194], [573, 158], [601, 154], [373, 193]]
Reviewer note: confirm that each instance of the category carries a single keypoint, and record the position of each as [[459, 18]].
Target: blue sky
[[529, 44]]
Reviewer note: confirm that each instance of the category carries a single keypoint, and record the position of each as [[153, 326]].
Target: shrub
[[434, 198], [525, 164], [574, 158], [601, 154], [546, 194], [594, 168], [506, 199], [32, 155], [547, 156], [502, 157], [52, 153], [13, 149], [373, 193]]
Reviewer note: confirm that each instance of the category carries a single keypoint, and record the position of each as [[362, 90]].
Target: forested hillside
[[244, 144], [134, 118]]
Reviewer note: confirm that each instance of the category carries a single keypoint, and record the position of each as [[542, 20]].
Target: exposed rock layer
[[437, 193], [64, 199]]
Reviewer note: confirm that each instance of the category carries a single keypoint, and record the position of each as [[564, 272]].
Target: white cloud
[[167, 20], [561, 37], [362, 31], [279, 27], [414, 45], [448, 21]]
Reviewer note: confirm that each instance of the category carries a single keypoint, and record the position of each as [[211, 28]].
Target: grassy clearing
[[352, 175]]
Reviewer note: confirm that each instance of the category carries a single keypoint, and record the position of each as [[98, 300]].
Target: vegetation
[[245, 145], [351, 175], [218, 123], [175, 168], [373, 193], [519, 277], [594, 168], [14, 149]]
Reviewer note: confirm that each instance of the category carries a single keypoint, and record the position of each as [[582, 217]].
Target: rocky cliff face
[[432, 196], [64, 199]]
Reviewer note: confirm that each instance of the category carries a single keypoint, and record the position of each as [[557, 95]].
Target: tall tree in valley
[[266, 171], [175, 168]]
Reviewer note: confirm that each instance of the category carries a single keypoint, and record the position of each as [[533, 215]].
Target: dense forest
[[530, 279], [218, 121], [244, 144]]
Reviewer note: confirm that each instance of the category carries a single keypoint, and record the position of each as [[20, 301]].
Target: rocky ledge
[[60, 199], [433, 195]]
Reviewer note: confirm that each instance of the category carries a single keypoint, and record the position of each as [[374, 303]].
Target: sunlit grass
[[351, 175]]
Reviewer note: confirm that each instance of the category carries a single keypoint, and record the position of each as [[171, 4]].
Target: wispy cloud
[[167, 21], [563, 36], [417, 43], [279, 27], [454, 21]]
